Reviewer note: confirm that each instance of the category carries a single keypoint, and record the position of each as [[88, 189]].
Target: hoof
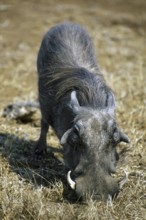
[[40, 154]]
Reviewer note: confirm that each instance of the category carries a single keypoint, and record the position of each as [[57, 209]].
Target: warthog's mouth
[[72, 183]]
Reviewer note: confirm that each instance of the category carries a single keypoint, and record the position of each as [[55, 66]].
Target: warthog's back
[[67, 62], [67, 46]]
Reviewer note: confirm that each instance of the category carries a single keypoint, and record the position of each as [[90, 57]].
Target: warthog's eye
[[115, 136], [74, 137], [77, 173], [76, 130]]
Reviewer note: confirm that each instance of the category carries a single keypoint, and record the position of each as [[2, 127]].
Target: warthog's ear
[[119, 136], [74, 104], [111, 104], [65, 136], [124, 137], [71, 136]]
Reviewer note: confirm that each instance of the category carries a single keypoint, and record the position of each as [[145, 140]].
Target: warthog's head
[[90, 152]]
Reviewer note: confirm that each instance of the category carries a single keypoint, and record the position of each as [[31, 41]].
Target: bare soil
[[38, 190]]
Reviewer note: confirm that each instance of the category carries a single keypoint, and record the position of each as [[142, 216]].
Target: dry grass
[[38, 190]]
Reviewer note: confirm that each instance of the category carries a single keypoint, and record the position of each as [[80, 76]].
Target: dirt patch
[[32, 190]]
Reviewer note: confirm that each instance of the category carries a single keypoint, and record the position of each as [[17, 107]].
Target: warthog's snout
[[101, 188], [96, 187]]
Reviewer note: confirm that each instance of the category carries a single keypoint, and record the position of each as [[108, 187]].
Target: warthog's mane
[[68, 63], [90, 87]]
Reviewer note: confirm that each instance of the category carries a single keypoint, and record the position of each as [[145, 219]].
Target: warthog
[[77, 103]]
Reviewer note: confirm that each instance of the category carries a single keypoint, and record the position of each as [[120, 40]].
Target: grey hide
[[77, 103]]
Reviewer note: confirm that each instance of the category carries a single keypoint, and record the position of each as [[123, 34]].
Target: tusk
[[123, 180], [70, 181]]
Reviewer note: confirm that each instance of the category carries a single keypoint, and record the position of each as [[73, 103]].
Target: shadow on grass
[[46, 172]]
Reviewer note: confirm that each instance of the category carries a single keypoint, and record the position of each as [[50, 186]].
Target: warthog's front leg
[[40, 149]]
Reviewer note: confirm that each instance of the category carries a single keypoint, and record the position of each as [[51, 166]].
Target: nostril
[[79, 173]]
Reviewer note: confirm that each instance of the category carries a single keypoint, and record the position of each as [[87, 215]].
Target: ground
[[38, 190]]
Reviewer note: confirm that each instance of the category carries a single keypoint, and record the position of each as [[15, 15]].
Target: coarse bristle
[[39, 190]]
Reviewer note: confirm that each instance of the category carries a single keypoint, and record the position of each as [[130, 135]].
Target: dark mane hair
[[91, 88], [67, 62]]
